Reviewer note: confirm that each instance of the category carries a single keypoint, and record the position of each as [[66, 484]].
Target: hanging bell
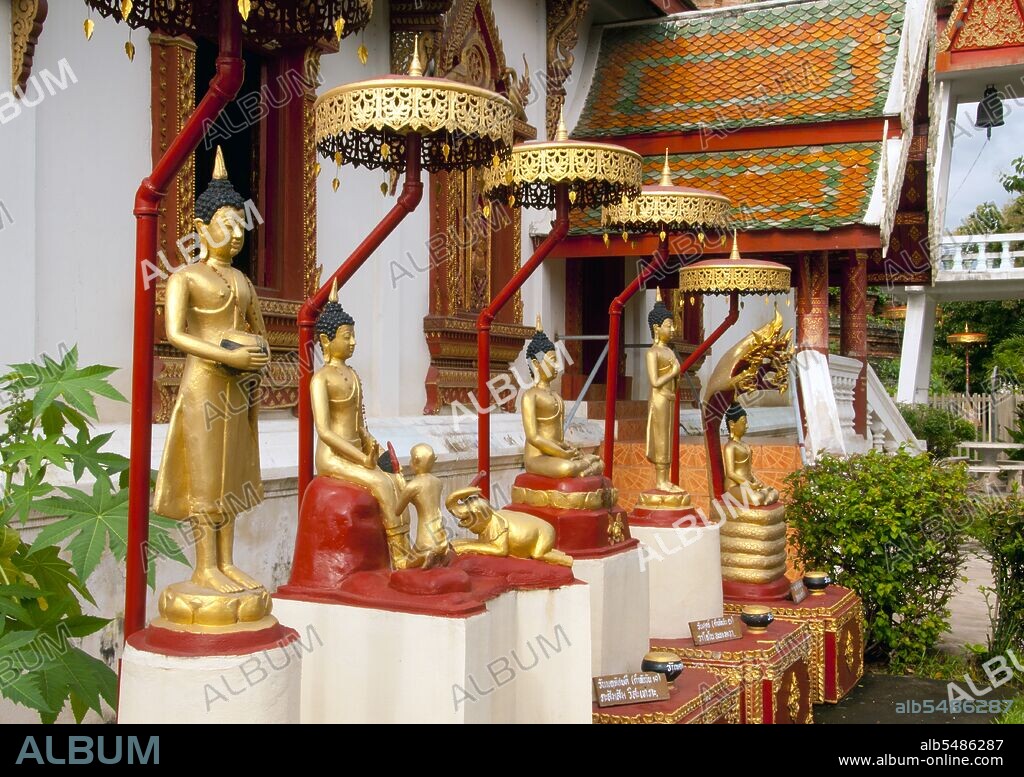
[[990, 110]]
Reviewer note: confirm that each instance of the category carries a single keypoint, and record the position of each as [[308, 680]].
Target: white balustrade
[[981, 253]]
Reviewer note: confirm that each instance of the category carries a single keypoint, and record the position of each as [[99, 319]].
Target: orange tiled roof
[[789, 64], [801, 187]]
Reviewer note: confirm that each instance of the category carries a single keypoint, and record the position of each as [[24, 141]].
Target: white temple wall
[[92, 148], [17, 215]]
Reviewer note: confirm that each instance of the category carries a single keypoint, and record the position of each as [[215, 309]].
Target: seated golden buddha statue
[[546, 452], [345, 448], [740, 480]]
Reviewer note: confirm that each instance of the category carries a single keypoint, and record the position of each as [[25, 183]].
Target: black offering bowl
[[663, 662], [817, 582], [757, 617]]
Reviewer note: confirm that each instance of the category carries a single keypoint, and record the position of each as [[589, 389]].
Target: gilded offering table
[[697, 696], [772, 667], [836, 622]]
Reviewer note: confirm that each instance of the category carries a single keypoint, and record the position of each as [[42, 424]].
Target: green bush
[[999, 527], [940, 428], [890, 528]]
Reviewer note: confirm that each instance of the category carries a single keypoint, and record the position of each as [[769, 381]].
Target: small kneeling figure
[[502, 532]]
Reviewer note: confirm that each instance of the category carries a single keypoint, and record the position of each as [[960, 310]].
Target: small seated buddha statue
[[345, 448], [740, 481], [546, 452]]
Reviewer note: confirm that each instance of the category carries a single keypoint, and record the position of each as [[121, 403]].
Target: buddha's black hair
[[539, 345], [331, 319], [219, 194], [734, 413], [659, 313]]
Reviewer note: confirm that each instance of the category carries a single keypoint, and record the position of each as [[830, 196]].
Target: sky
[[977, 163]]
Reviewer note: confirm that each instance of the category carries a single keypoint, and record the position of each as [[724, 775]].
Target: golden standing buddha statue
[[740, 480], [345, 448], [210, 472], [663, 373], [546, 452]]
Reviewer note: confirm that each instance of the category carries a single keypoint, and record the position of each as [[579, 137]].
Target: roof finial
[[539, 327], [666, 172], [334, 291], [735, 255], [220, 170], [416, 67], [561, 134]]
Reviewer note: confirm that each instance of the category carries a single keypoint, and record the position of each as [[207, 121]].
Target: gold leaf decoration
[[384, 188], [661, 235], [487, 211], [126, 8], [90, 26], [572, 197], [244, 7], [511, 201], [339, 27], [129, 49], [338, 158], [385, 151], [316, 169], [446, 150], [335, 184], [363, 53], [606, 239]]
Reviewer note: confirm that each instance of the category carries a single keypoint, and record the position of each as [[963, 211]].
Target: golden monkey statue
[[502, 532]]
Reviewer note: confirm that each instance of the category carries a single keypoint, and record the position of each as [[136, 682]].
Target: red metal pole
[[408, 199], [223, 88], [614, 337], [559, 229], [734, 314]]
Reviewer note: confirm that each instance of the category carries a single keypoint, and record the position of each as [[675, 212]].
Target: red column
[[853, 329], [812, 302]]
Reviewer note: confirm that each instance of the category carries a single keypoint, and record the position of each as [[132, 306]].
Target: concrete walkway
[[969, 619]]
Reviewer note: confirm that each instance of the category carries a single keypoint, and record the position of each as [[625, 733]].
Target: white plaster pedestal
[[685, 565], [526, 658], [619, 598], [258, 687]]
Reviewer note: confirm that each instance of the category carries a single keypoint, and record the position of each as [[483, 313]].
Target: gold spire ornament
[[415, 66], [666, 173], [561, 133]]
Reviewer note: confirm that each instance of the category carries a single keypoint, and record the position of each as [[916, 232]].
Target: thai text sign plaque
[[615, 690], [720, 629], [798, 591]]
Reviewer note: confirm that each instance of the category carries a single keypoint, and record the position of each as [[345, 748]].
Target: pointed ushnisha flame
[[220, 170]]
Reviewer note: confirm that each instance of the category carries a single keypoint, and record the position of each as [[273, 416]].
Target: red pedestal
[[767, 593], [341, 557], [582, 524], [681, 518], [698, 696], [772, 666], [836, 621], [171, 642]]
